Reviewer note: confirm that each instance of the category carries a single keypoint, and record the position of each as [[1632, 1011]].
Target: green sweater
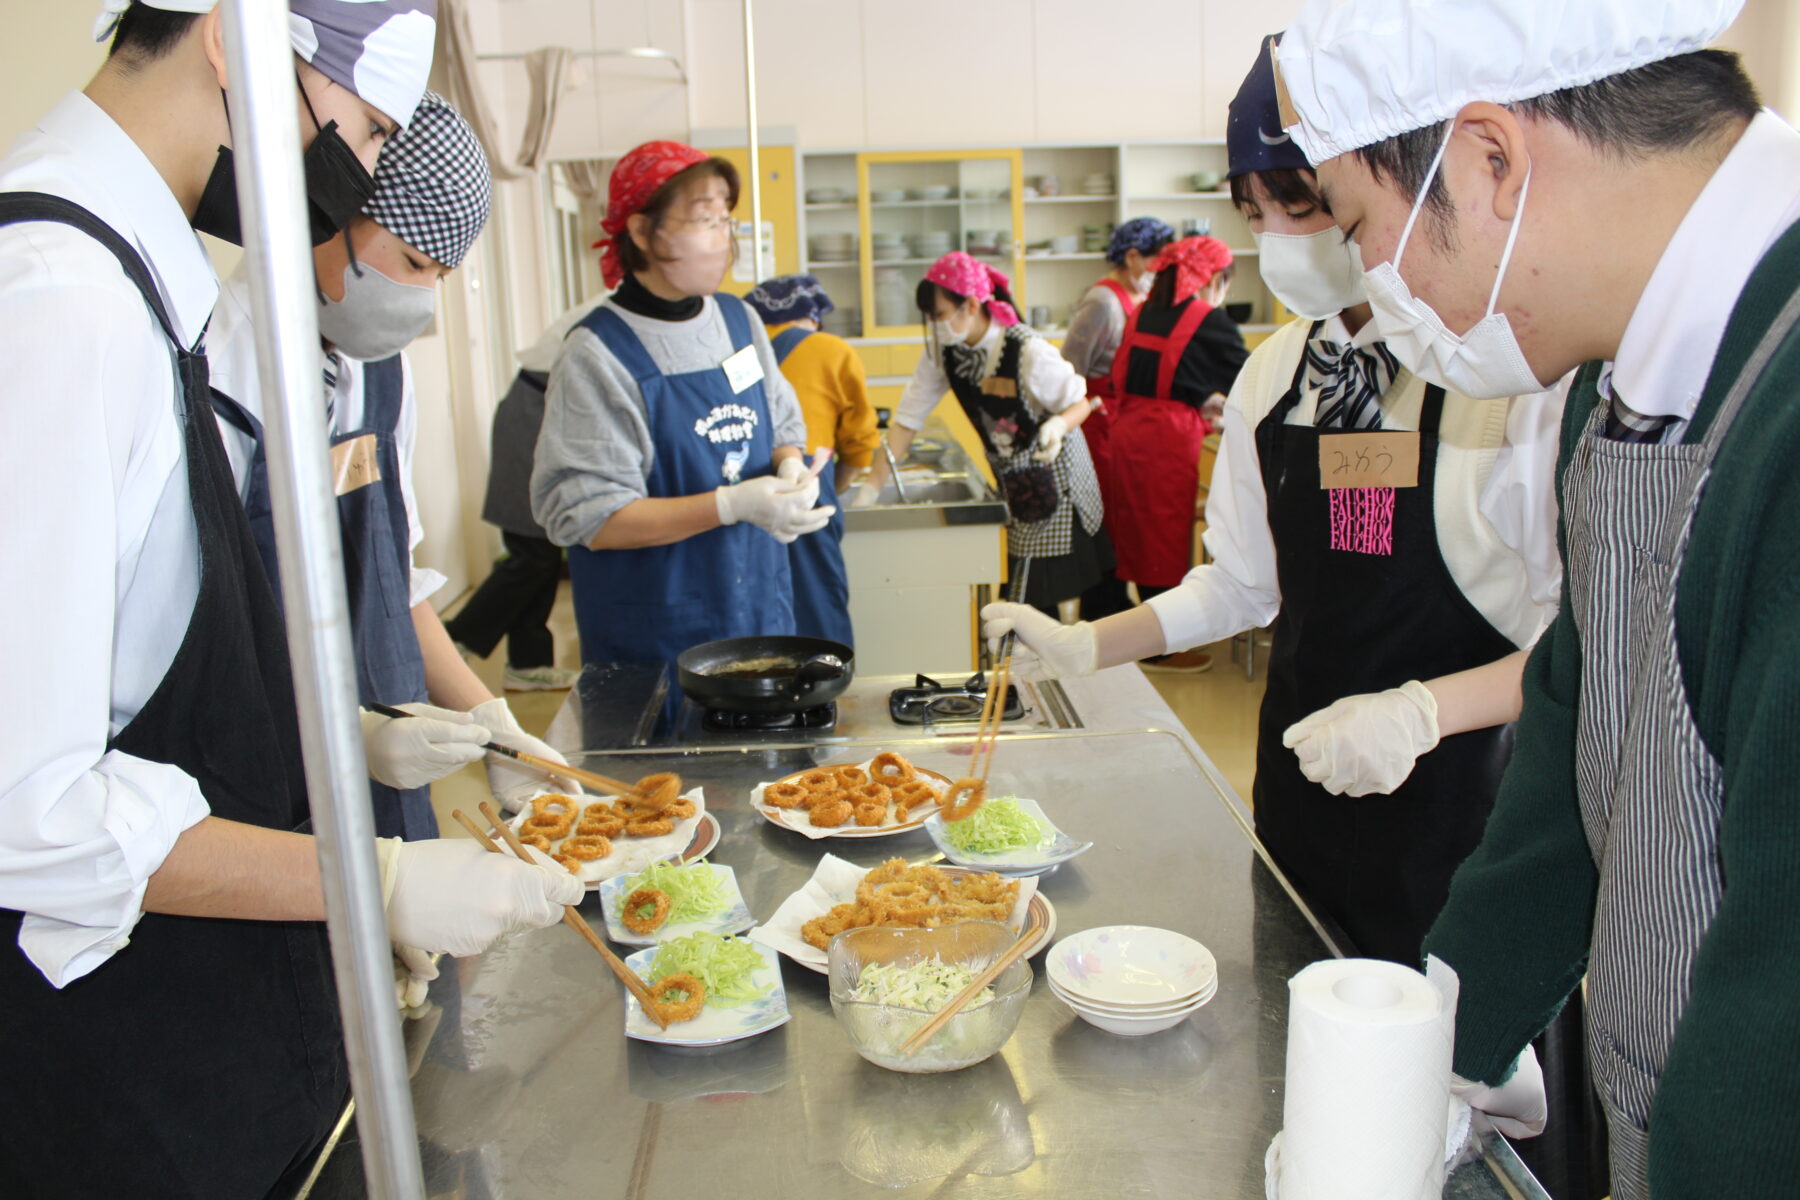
[[1520, 913]]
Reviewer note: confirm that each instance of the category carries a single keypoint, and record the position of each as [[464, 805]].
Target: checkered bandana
[[432, 184]]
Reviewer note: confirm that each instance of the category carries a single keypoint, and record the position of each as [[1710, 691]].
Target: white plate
[[1189, 1004], [1131, 965], [796, 819], [834, 882], [1018, 863], [693, 837], [714, 1026], [734, 918]]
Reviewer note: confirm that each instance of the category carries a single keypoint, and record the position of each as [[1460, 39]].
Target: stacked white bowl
[[1132, 979]]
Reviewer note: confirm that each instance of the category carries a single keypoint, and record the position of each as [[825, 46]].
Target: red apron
[[1098, 427], [1155, 443]]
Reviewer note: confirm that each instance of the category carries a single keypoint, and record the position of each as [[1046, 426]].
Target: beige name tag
[[1368, 460], [354, 465], [994, 385]]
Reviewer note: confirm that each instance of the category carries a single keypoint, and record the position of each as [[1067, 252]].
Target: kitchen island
[[527, 1087]]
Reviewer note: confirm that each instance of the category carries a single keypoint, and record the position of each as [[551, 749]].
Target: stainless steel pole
[[271, 193], [756, 235]]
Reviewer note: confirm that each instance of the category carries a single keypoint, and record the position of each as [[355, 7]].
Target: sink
[[938, 491]]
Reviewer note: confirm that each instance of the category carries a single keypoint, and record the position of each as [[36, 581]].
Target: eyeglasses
[[717, 220]]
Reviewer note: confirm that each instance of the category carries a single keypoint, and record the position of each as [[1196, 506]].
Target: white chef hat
[[1357, 72], [379, 49]]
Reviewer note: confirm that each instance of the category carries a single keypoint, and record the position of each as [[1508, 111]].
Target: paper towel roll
[[1368, 1081]]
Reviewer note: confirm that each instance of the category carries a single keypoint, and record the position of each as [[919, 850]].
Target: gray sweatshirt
[[595, 452]]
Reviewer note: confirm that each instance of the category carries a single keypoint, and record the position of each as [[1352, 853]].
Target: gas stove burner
[[930, 700], [720, 720]]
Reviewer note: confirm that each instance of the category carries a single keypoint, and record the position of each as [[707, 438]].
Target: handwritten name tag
[[354, 465], [1368, 460]]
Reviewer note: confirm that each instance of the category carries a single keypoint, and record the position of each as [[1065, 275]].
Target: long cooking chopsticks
[[571, 917], [993, 705], [605, 784], [991, 972]]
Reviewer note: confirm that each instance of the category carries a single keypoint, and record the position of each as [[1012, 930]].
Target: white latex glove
[[512, 782], [1045, 647], [1517, 1108], [413, 972], [772, 503], [451, 895], [1050, 439], [412, 753], [866, 495], [1366, 745]]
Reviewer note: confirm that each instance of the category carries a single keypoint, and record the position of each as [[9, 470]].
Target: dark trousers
[[514, 602]]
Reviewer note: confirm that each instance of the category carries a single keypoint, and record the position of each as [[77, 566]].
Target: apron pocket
[[1031, 493]]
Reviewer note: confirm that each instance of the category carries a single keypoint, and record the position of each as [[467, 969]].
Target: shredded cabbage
[[927, 985], [725, 965], [996, 827], [695, 891]]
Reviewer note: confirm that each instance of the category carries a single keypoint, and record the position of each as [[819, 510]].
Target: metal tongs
[[894, 469]]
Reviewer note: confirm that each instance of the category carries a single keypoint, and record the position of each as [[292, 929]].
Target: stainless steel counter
[[527, 1087]]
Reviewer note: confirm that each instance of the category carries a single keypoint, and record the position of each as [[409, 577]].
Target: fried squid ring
[[890, 768], [556, 804], [784, 795], [965, 798], [672, 1010], [649, 827], [598, 810], [567, 863], [537, 841], [850, 776], [655, 792], [889, 871], [819, 781], [610, 826], [633, 917], [550, 825], [870, 814], [871, 793], [914, 793], [680, 809], [830, 813], [587, 849]]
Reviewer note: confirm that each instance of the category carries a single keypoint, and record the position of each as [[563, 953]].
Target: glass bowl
[[877, 1031]]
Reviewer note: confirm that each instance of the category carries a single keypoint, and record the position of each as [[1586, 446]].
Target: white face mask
[[697, 260], [947, 334], [1485, 363], [377, 318], [1142, 282], [1316, 275]]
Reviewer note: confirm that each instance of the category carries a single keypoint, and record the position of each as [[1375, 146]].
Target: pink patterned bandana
[[1195, 260], [966, 276]]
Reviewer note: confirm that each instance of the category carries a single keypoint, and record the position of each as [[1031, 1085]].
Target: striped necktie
[[331, 393], [1351, 382], [1627, 424]]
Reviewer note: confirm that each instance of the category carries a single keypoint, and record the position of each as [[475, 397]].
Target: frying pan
[[706, 678]]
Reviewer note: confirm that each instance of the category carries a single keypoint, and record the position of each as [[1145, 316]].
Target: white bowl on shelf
[[826, 195], [887, 195]]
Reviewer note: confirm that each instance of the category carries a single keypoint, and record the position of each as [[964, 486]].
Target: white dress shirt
[[1045, 378], [231, 359], [1675, 330], [102, 558], [1495, 502]]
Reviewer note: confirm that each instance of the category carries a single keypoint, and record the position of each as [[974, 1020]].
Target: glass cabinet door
[[918, 206]]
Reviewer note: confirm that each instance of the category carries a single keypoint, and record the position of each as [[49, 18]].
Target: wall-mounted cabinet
[[871, 223]]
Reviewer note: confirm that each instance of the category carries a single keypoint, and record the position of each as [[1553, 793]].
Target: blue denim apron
[[377, 572], [649, 604], [821, 584]]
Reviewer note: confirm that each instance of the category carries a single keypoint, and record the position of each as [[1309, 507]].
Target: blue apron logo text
[[727, 423]]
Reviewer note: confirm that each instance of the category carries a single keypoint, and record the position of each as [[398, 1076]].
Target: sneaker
[[1188, 662], [538, 679]]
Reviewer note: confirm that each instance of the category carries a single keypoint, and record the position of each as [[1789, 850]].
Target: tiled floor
[[1219, 708]]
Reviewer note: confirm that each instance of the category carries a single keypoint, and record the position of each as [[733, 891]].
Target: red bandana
[[966, 276], [635, 179], [1196, 260]]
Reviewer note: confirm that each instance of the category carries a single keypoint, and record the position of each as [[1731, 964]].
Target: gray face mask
[[377, 318]]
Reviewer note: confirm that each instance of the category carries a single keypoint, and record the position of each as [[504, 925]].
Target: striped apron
[[1652, 793]]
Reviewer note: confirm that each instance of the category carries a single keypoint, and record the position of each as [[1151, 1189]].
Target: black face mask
[[337, 187]]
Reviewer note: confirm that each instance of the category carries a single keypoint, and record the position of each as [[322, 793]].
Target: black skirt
[[1066, 576]]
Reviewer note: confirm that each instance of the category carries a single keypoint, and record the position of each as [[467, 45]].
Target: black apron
[[390, 668], [206, 1058], [1354, 622]]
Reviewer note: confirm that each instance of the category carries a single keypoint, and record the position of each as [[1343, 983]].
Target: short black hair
[[1290, 187], [1666, 107], [145, 34]]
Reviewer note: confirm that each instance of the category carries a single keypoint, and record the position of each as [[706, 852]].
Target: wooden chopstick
[[993, 714], [991, 972], [571, 917]]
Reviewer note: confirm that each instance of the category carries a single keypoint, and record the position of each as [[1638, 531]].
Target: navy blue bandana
[[1146, 235], [789, 298], [1254, 138]]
